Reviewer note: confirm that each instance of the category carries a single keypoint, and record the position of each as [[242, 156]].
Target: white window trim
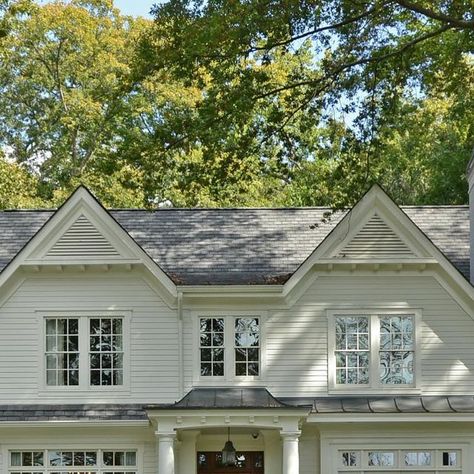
[[374, 386], [84, 371], [229, 377], [7, 448]]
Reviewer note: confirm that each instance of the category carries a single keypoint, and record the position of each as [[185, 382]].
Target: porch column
[[291, 457], [187, 452], [166, 461]]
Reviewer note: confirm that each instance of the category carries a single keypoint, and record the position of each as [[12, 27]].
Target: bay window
[[370, 350]]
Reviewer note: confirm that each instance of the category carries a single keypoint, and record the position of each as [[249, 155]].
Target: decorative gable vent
[[376, 239], [82, 239]]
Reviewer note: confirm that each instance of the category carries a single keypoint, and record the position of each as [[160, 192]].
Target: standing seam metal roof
[[240, 246]]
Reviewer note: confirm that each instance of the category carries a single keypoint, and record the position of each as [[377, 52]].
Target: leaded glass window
[[352, 350], [106, 351], [372, 349], [381, 458], [396, 349], [247, 346], [350, 458], [62, 351], [418, 458], [211, 347]]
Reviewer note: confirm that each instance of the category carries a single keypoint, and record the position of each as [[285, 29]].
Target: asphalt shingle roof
[[240, 246], [9, 413]]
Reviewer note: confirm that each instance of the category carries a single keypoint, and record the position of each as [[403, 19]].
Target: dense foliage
[[218, 103]]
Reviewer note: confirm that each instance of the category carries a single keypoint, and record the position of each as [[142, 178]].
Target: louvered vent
[[82, 239], [376, 239]]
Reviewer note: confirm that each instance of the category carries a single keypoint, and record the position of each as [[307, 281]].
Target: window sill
[[74, 391], [356, 391], [228, 383]]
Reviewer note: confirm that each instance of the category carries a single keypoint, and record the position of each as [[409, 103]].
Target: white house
[[140, 342]]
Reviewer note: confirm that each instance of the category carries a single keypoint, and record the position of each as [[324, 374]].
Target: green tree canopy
[[369, 67]]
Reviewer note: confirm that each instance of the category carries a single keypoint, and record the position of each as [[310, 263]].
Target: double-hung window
[[229, 346], [84, 351], [372, 350]]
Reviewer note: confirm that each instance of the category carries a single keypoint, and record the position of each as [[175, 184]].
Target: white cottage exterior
[[138, 342]]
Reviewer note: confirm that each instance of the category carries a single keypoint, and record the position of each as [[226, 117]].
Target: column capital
[[290, 435], [166, 435]]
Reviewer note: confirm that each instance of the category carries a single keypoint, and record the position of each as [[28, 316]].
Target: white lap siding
[[296, 340], [399, 439], [153, 353], [91, 438]]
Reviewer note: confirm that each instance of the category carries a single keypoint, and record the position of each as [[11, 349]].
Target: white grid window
[[229, 348], [106, 351], [73, 462], [369, 351], [62, 351], [396, 349], [247, 346], [352, 350], [401, 460], [84, 351], [211, 345]]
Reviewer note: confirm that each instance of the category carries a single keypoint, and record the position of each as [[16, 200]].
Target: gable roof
[[240, 246]]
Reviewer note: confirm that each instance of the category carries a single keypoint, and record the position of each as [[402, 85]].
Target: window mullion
[[374, 350], [229, 350], [84, 376]]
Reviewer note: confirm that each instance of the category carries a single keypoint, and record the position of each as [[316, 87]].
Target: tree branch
[[453, 22], [335, 26], [344, 67]]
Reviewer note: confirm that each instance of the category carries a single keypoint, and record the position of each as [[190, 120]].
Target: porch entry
[[248, 462]]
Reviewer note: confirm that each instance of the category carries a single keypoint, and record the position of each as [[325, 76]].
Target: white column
[[188, 452], [166, 462], [273, 451], [291, 457]]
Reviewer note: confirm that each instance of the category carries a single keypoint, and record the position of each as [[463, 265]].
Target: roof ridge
[[228, 209]]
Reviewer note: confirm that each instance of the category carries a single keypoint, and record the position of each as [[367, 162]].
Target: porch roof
[[231, 398], [388, 404]]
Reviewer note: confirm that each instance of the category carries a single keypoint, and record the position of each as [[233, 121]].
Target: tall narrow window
[[352, 350], [396, 349], [211, 347], [106, 351], [62, 351], [247, 346]]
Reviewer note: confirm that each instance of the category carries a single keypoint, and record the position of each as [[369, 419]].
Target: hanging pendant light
[[229, 454]]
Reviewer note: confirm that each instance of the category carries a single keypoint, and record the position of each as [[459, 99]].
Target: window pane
[[421, 458], [62, 351], [350, 458], [379, 458], [352, 350], [106, 351], [247, 346], [211, 342], [449, 458]]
